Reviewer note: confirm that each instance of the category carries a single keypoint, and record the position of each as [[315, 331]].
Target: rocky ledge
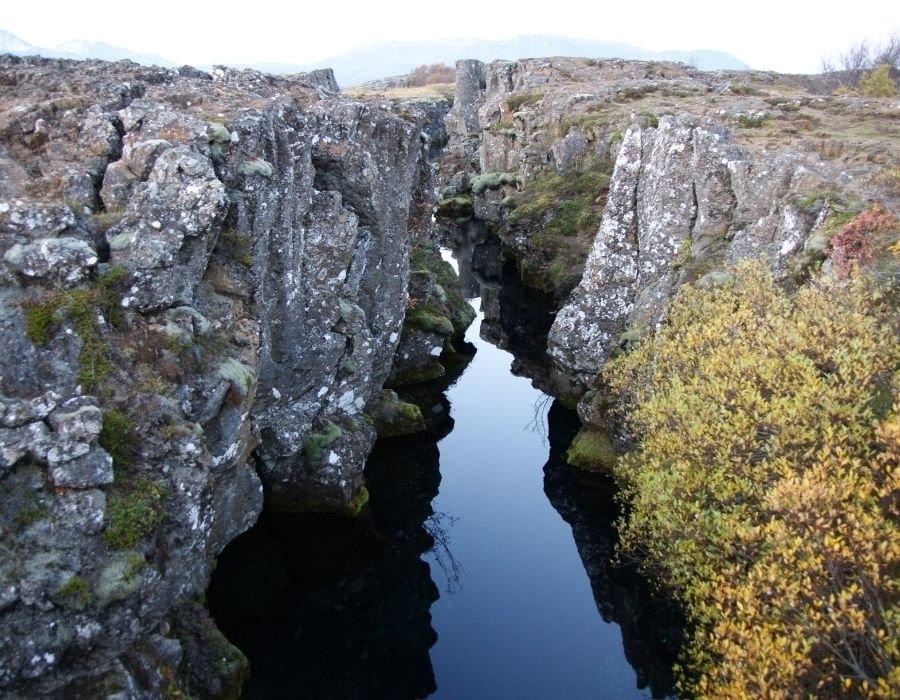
[[204, 282]]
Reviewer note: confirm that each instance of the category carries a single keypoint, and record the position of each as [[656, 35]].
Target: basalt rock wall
[[203, 284]]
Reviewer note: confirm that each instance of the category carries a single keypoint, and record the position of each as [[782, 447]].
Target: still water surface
[[520, 621], [461, 579]]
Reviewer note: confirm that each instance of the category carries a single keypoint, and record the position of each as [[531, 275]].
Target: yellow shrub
[[764, 490], [878, 83]]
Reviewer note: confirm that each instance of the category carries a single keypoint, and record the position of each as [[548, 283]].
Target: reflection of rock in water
[[516, 318], [330, 607], [651, 628]]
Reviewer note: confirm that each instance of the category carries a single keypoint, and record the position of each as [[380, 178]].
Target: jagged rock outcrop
[[683, 201], [204, 283], [710, 168]]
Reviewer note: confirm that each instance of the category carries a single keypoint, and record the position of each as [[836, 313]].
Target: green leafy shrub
[[764, 489]]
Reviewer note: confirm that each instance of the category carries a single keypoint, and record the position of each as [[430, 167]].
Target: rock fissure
[[271, 260]]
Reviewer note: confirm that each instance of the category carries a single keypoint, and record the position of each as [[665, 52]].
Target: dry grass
[[437, 91]]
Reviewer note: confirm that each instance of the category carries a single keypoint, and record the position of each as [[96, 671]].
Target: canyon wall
[[614, 182], [204, 283]]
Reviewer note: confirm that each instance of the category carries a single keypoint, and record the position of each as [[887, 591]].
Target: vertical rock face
[[194, 266], [683, 203], [331, 251]]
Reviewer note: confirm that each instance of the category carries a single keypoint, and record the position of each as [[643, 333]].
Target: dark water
[[480, 569]]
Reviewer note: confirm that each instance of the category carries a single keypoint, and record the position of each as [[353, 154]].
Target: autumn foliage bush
[[858, 241], [432, 74], [764, 491]]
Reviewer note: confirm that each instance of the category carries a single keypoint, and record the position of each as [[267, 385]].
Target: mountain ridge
[[384, 59]]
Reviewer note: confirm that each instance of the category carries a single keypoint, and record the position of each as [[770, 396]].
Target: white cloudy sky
[[767, 34]]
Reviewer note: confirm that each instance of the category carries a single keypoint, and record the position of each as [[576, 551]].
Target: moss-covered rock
[[134, 509], [256, 166], [592, 450], [455, 207], [120, 578], [394, 416], [491, 181], [315, 443], [429, 320]]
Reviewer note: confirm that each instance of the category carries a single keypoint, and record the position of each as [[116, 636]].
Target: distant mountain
[[106, 52], [396, 58], [79, 49], [10, 43]]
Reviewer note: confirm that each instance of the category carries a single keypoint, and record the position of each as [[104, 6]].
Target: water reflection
[[330, 607], [517, 319], [651, 627]]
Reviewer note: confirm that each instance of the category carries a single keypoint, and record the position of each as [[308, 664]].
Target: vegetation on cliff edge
[[565, 209], [765, 489]]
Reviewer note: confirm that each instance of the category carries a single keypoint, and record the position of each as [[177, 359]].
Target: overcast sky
[[767, 34]]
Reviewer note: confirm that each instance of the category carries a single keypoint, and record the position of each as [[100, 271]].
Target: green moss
[[256, 166], [455, 207], [236, 246], [40, 319], [74, 594], [592, 450], [561, 213], [358, 502], [491, 181], [81, 307], [118, 437], [120, 578], [523, 99], [28, 515], [314, 444], [420, 375], [394, 417], [429, 320], [240, 375], [652, 119], [133, 511], [217, 132]]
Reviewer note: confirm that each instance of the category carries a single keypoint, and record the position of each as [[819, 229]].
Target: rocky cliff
[[618, 181], [204, 282]]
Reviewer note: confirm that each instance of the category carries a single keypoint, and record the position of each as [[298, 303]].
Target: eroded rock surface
[[204, 280], [709, 168], [684, 202]]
